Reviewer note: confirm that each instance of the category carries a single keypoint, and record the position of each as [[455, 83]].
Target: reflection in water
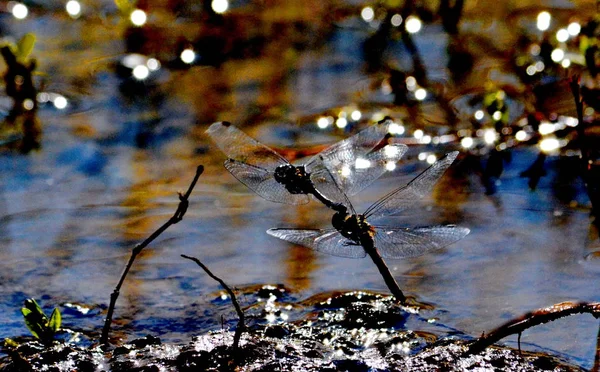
[[300, 261], [300, 264], [66, 232]]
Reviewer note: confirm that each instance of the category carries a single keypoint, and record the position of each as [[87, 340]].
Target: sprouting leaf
[[35, 319], [55, 320], [25, 46]]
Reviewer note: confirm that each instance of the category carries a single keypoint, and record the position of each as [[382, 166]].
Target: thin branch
[[241, 322], [532, 319], [177, 216]]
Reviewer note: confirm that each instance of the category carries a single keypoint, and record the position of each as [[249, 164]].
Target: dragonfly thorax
[[295, 178], [351, 226]]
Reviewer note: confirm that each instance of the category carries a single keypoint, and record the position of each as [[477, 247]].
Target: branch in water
[[532, 319]]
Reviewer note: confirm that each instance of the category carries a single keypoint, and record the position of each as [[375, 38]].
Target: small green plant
[[37, 322]]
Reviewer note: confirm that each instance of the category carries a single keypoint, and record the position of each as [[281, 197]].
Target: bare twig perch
[[177, 216], [532, 319], [241, 322]]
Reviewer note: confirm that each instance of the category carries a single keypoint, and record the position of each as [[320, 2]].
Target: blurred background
[[104, 105]]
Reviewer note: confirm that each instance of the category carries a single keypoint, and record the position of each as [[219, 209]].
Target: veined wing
[[411, 242], [345, 152], [362, 142], [239, 146], [261, 181], [355, 175], [325, 183], [401, 198], [328, 241]]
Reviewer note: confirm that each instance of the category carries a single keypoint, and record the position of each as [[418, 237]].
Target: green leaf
[[35, 319], [32, 305], [10, 343], [55, 320], [25, 46]]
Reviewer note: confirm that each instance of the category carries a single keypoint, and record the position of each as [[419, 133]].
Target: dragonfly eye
[[284, 173], [338, 220]]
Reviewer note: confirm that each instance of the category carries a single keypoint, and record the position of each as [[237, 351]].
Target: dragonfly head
[[339, 220], [293, 178], [351, 226]]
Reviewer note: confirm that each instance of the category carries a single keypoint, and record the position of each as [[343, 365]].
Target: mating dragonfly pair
[[343, 169]]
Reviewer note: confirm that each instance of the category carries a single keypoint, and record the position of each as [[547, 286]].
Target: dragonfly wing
[[325, 183], [403, 197], [372, 166], [326, 241], [261, 181], [361, 143], [411, 242], [352, 163], [239, 146]]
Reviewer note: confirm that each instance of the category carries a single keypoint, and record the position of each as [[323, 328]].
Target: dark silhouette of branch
[[177, 216], [532, 319], [241, 322]]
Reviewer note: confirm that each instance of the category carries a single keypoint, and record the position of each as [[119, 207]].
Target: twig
[[532, 319], [241, 322], [177, 216]]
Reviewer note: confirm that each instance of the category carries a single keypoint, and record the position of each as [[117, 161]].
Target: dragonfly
[[357, 235], [344, 168], [351, 231]]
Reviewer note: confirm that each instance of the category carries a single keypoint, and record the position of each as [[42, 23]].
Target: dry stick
[[369, 246], [533, 319], [241, 322], [177, 216]]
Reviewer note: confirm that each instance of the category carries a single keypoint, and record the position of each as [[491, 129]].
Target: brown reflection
[[301, 261], [137, 224], [207, 90]]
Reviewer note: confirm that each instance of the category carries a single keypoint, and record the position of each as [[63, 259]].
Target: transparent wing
[[359, 144], [327, 241], [261, 181], [411, 242], [324, 182], [401, 198], [345, 157], [364, 170], [239, 146]]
